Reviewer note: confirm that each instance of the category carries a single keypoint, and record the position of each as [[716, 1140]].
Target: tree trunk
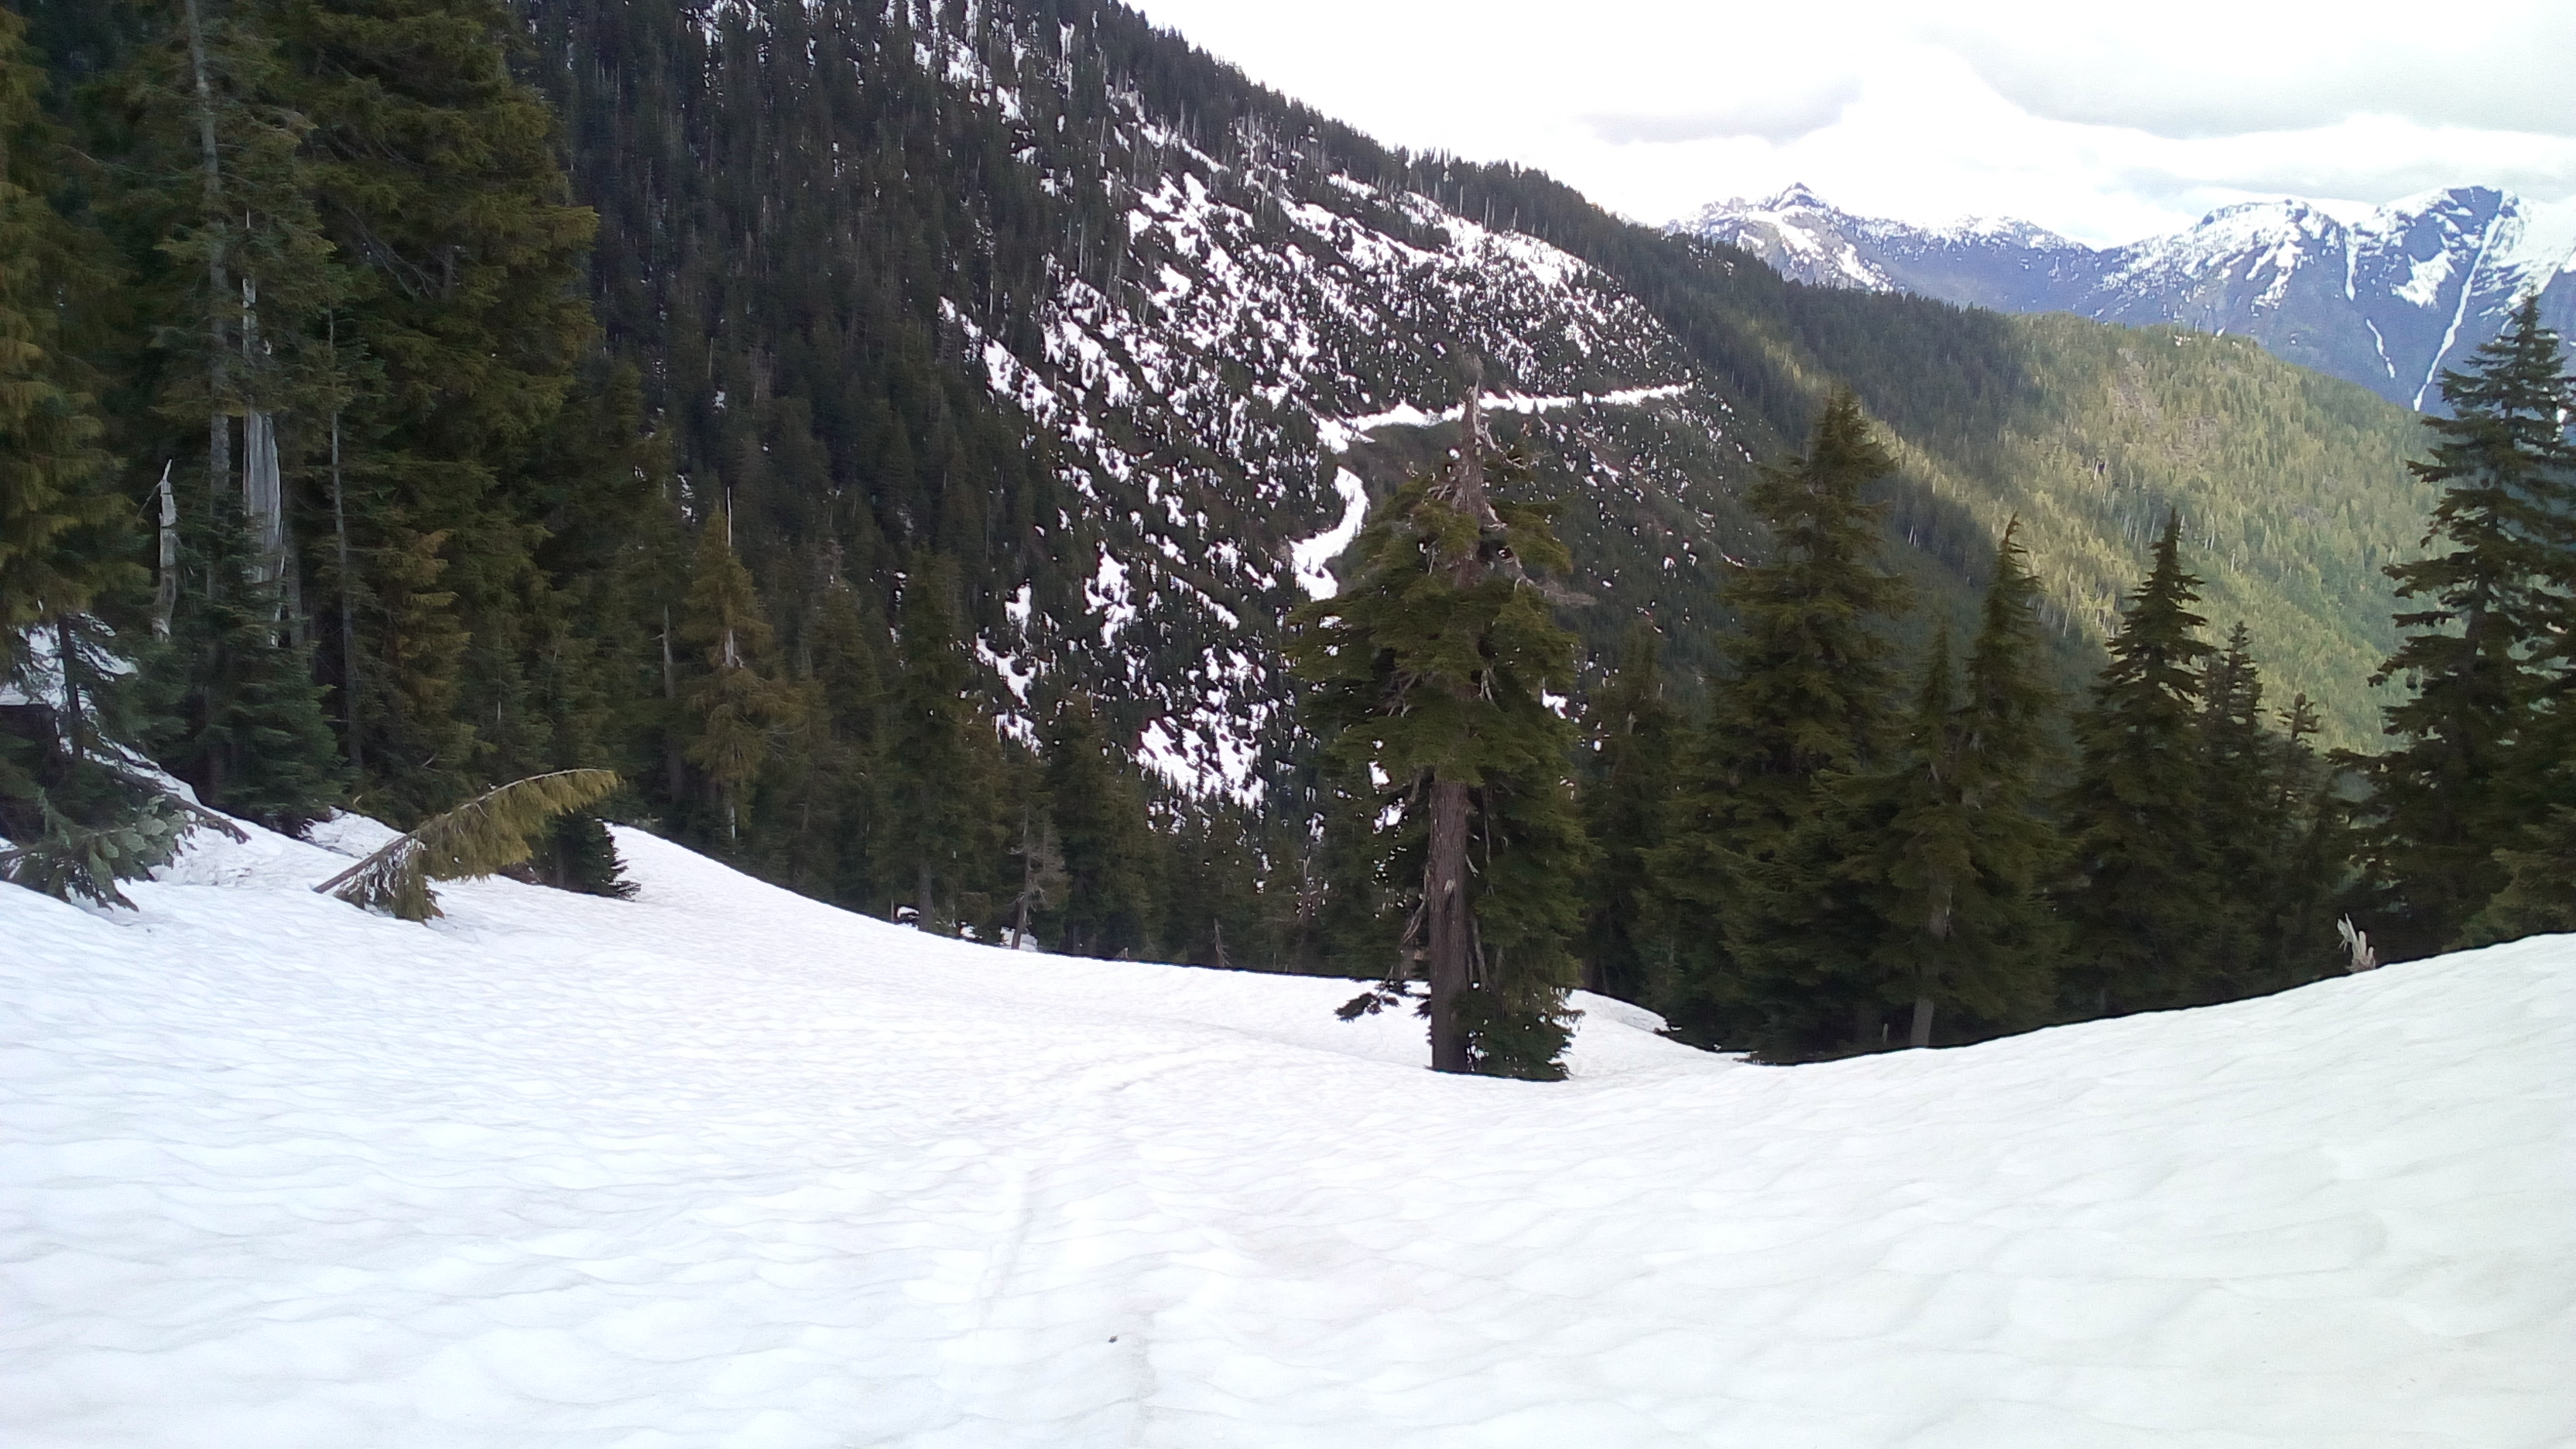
[[348, 612], [219, 428], [165, 593], [1028, 883], [1868, 1028], [1922, 1033], [1449, 925], [924, 906]]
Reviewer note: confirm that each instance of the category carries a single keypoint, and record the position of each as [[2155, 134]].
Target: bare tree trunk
[[1028, 883], [219, 430], [348, 611], [1868, 1023], [165, 592], [1449, 924], [263, 493], [72, 712], [1922, 1033], [924, 906]]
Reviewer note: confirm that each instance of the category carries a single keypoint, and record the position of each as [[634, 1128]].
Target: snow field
[[725, 1167]]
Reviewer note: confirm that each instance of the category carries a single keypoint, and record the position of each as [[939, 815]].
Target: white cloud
[[2104, 123]]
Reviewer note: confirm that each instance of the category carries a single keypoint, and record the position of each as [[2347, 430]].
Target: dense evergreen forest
[[831, 420]]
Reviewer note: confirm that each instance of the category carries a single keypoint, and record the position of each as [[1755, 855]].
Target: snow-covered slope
[[720, 1166], [2388, 301]]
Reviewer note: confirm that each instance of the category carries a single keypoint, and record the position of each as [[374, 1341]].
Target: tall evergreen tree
[[434, 173], [64, 535], [1100, 827], [2142, 892], [1430, 671], [739, 708], [1955, 858], [2486, 658], [944, 837], [247, 729], [1634, 733], [1746, 877]]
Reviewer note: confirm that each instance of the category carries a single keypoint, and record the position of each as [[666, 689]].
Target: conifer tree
[[739, 710], [2486, 658], [1103, 834], [2142, 893], [247, 729], [64, 535], [941, 838], [1955, 858], [434, 175], [2311, 826], [1634, 732], [1429, 672], [1747, 876]]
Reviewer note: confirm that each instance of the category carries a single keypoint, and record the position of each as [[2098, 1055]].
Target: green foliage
[[246, 726], [63, 530], [1634, 734], [1746, 875], [579, 855], [2485, 659], [1953, 859], [67, 860], [1429, 673], [1103, 837], [738, 711], [481, 837]]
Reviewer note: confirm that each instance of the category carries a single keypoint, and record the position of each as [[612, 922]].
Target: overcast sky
[[2105, 123]]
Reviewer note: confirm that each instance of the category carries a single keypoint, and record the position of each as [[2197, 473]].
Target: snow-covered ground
[[723, 1167]]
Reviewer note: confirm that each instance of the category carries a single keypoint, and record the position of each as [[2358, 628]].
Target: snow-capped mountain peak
[[2388, 300]]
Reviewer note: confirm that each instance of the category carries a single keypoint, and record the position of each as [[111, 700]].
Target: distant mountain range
[[2387, 302]]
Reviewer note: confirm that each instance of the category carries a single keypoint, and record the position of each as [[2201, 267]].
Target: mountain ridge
[[2388, 301]]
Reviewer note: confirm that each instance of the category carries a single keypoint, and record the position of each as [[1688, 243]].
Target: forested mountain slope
[[1039, 289]]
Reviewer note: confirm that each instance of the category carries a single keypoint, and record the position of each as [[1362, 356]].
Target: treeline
[[327, 491], [1844, 853]]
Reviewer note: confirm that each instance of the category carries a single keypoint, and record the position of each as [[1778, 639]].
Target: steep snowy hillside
[[2387, 302], [721, 1166], [1044, 292]]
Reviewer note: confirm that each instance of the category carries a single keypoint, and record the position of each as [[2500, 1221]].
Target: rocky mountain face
[[1038, 289], [2387, 302]]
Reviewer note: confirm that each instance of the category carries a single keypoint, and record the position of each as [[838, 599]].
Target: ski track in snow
[[721, 1166]]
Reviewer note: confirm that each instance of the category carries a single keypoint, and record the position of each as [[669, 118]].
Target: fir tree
[[739, 711], [1429, 674], [1103, 834], [1956, 858], [1634, 733], [941, 842], [64, 535], [2487, 655], [1747, 876], [2143, 892], [247, 729]]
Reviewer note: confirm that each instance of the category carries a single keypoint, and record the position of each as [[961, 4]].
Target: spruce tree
[[435, 176], [2142, 891], [1101, 829], [1747, 876], [64, 534], [1634, 733], [738, 710], [247, 728], [2485, 660], [1430, 671], [943, 837], [1955, 859]]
